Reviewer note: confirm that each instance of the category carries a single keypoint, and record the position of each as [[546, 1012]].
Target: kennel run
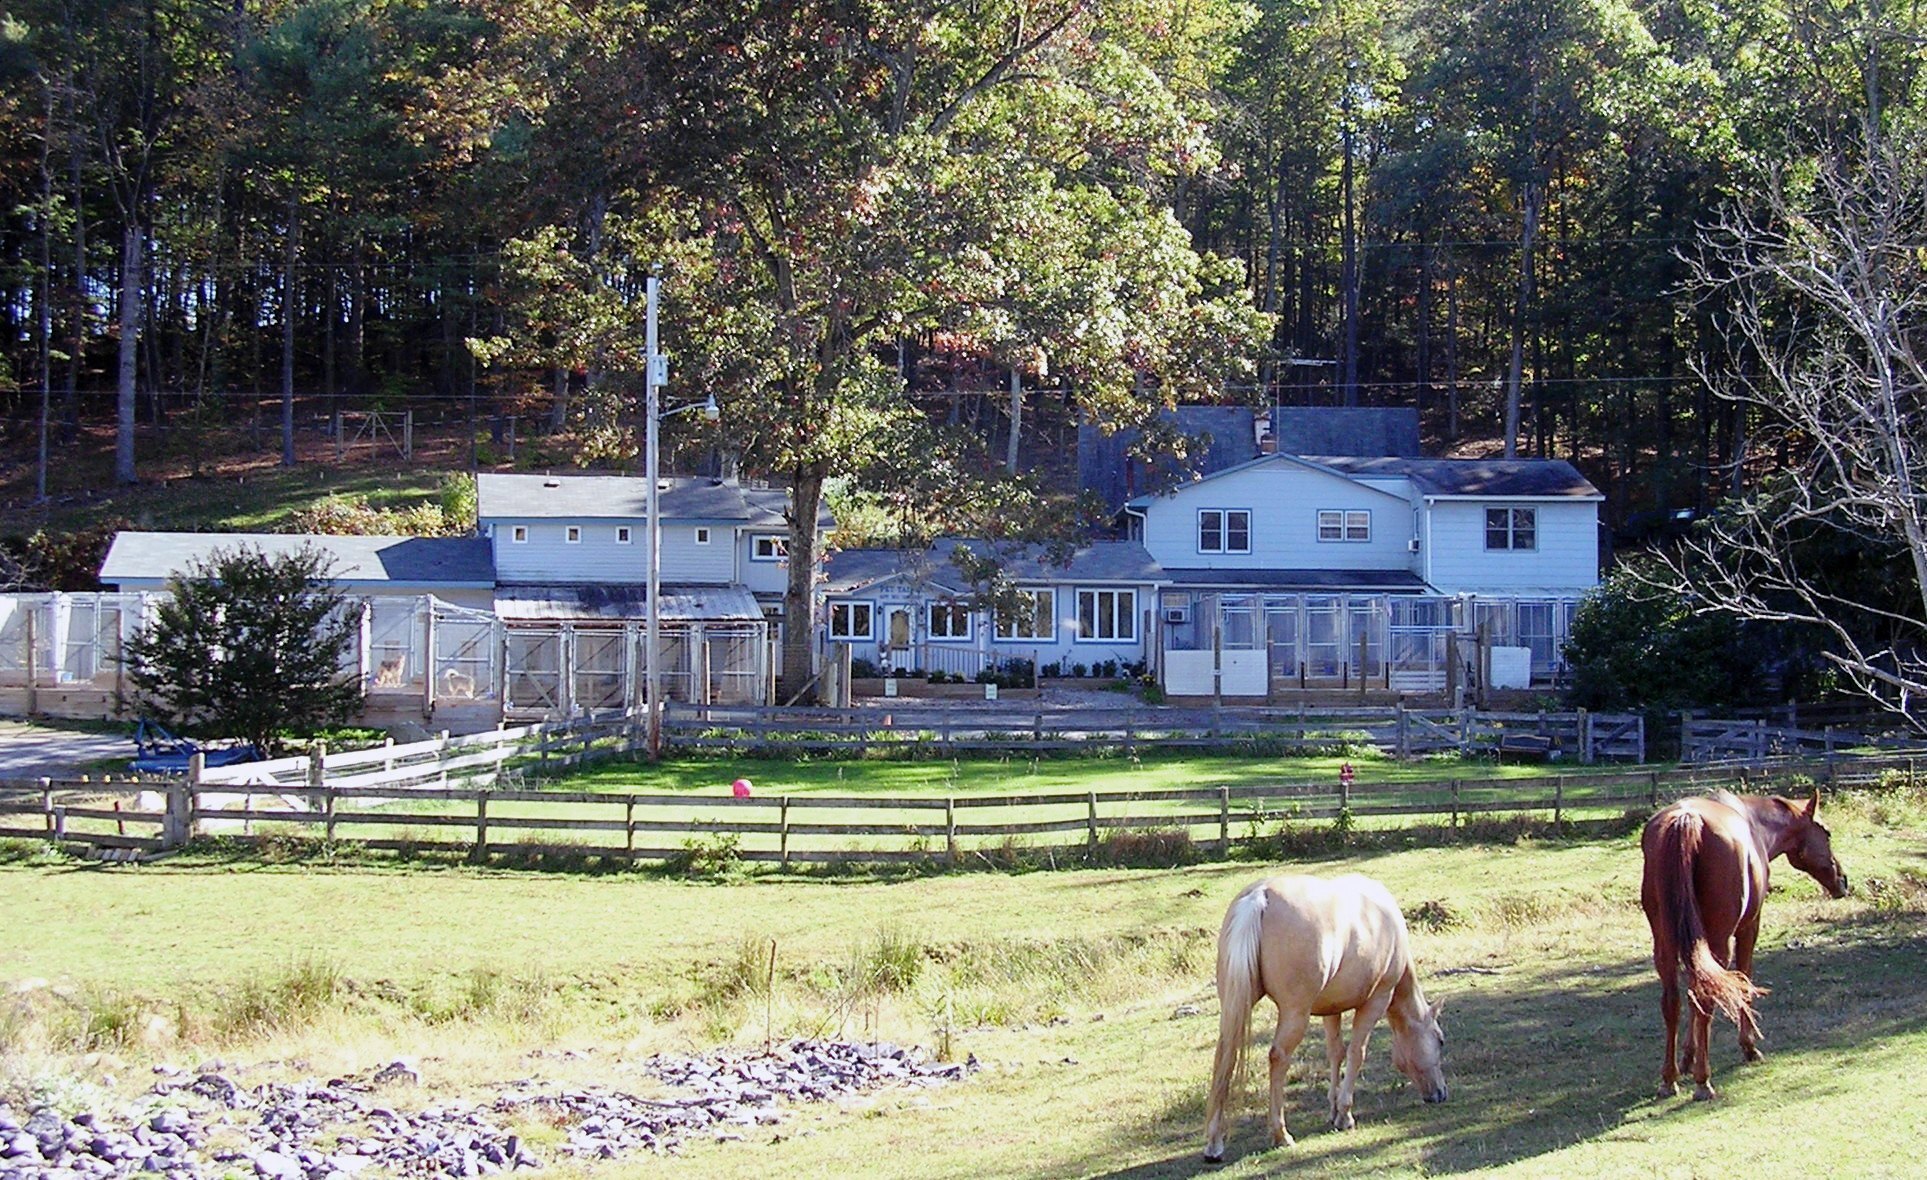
[[543, 653]]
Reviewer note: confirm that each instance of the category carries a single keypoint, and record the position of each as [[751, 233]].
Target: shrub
[[1147, 848]]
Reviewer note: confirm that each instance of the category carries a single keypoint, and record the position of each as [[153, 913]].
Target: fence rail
[[1402, 733], [783, 830], [1754, 739]]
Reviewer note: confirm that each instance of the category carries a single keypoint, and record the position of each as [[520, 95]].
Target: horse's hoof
[[1283, 1139], [1668, 1089], [1214, 1157], [1704, 1092], [1344, 1122], [1752, 1053]]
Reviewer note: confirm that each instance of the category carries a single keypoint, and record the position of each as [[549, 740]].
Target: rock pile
[[210, 1125]]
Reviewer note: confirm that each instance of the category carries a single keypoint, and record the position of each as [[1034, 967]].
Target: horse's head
[[1418, 1051], [1810, 848]]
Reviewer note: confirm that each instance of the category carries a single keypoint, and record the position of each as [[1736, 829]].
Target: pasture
[[1086, 995]]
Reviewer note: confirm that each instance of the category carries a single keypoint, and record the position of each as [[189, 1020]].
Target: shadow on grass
[[1537, 1070]]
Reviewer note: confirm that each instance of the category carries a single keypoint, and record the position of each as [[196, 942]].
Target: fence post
[[783, 833], [1037, 725], [1224, 822], [408, 434], [60, 824], [328, 813], [1455, 804], [47, 803], [950, 829], [1130, 739], [481, 827], [1092, 824], [944, 733], [629, 828], [1652, 789], [33, 670]]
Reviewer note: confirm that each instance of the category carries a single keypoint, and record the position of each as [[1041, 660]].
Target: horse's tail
[[1714, 987], [1238, 991]]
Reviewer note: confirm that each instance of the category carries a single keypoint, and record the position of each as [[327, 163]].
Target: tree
[[248, 646], [826, 182], [1824, 291]]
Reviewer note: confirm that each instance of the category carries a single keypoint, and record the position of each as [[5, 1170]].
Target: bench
[[1527, 745]]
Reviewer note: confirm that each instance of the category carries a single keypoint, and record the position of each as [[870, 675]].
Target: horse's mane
[[1729, 799]]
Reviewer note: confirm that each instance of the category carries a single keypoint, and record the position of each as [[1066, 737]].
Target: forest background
[[221, 224]]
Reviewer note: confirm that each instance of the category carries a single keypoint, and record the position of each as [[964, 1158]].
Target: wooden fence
[[795, 829], [1709, 740], [1401, 733]]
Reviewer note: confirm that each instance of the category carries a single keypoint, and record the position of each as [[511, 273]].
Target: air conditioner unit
[[1411, 546], [1177, 616]]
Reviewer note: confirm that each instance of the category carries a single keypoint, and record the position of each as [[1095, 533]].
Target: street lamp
[[655, 376]]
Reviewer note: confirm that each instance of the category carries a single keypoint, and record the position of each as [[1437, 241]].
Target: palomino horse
[[1707, 862], [1319, 948]]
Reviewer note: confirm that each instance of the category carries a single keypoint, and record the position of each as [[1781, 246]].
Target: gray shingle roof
[[1345, 430], [1471, 477], [465, 562], [529, 604], [503, 496], [850, 570], [1538, 478], [767, 505]]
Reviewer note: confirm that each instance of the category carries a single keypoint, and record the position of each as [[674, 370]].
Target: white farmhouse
[[1309, 571]]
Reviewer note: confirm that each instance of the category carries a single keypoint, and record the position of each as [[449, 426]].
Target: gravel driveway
[[29, 751]]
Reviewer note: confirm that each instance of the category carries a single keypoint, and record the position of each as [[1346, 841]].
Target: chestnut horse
[[1707, 865], [1319, 948]]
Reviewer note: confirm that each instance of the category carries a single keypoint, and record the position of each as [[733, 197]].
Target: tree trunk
[[1348, 279], [559, 408], [1451, 353], [799, 596], [1016, 418], [287, 332], [1522, 308], [133, 242]]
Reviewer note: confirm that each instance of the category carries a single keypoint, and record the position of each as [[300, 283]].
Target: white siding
[[1566, 559], [761, 577], [1284, 500], [547, 557]]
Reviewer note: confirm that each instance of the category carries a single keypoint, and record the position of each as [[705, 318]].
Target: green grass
[[1065, 984], [1016, 774]]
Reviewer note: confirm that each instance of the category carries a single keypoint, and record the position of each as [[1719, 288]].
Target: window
[[622, 534], [1042, 623], [852, 620], [573, 535], [1512, 528], [769, 547], [702, 536], [1109, 615], [949, 620], [519, 534], [1344, 525], [1224, 530]]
